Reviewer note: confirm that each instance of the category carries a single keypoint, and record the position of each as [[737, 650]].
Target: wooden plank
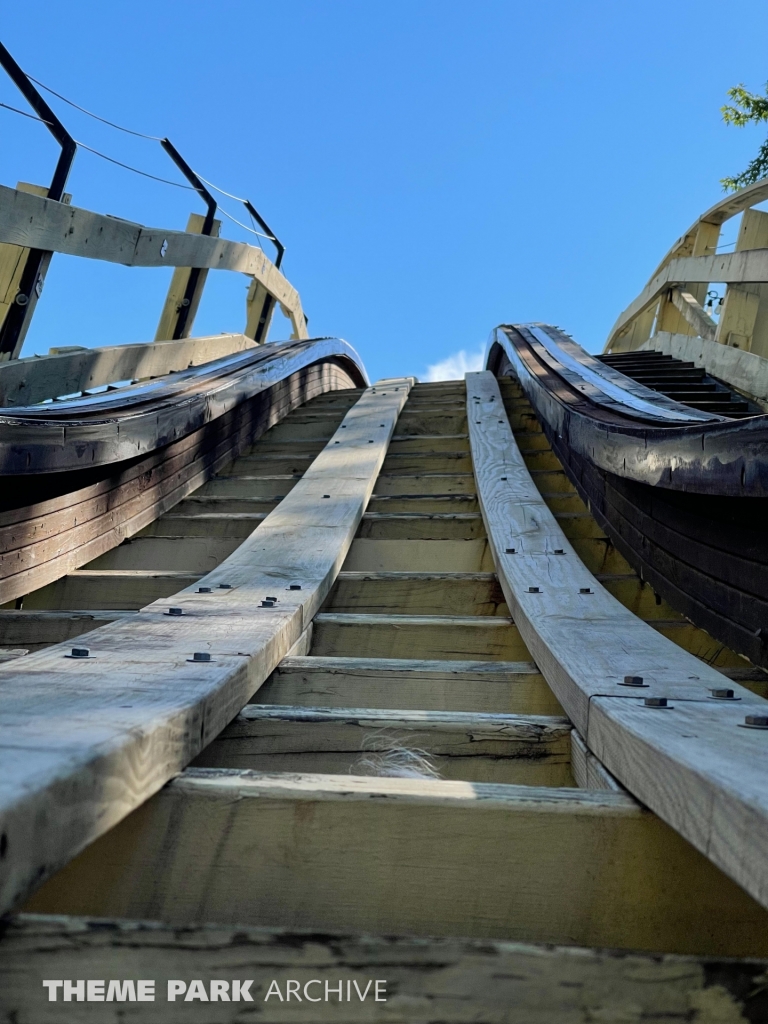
[[474, 637], [100, 736], [196, 556], [197, 503], [94, 589], [412, 593], [326, 851], [702, 323], [426, 443], [418, 556], [456, 526], [433, 421], [501, 687], [425, 483], [31, 380], [33, 629], [43, 224], [266, 486], [427, 462], [427, 980], [205, 525], [526, 750], [586, 643]]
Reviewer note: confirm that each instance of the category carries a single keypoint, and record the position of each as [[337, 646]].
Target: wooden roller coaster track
[[310, 682]]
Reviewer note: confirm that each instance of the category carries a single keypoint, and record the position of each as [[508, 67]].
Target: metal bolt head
[[722, 693], [559, 551], [756, 721], [271, 598], [295, 586], [533, 590], [326, 495], [503, 478], [510, 551], [656, 702], [225, 586], [633, 681], [201, 656], [585, 590], [175, 611], [80, 652], [203, 590], [267, 604]]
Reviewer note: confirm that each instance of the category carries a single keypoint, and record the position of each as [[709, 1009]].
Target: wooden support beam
[[32, 380], [37, 629], [474, 637], [177, 298], [84, 742], [735, 268], [13, 259], [693, 313], [272, 486], [425, 483], [525, 750], [448, 980], [414, 593], [326, 851], [94, 589], [503, 687], [743, 320], [42, 224], [586, 643], [418, 556]]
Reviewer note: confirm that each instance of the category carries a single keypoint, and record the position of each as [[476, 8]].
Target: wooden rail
[[690, 760], [92, 768]]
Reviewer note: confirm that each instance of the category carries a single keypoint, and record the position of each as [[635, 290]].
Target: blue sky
[[434, 167]]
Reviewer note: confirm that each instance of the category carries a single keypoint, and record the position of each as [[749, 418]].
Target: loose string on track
[[129, 167]]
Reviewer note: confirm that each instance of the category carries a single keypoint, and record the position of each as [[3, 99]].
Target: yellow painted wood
[[327, 851], [475, 637], [501, 687], [526, 750], [178, 287]]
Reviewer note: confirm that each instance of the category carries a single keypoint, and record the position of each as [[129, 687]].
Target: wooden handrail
[[39, 223]]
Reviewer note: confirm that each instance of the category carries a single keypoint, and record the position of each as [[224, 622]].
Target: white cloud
[[456, 365]]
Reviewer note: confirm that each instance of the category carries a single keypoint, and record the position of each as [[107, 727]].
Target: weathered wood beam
[[327, 851], [31, 380], [504, 687], [471, 637], [702, 323], [55, 227], [448, 980], [687, 759], [85, 741], [526, 750]]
